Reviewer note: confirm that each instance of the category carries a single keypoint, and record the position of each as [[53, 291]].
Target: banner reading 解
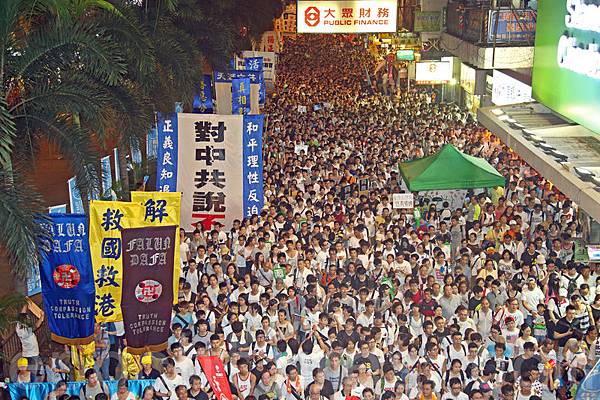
[[147, 286], [216, 376], [67, 278], [162, 209], [107, 218]]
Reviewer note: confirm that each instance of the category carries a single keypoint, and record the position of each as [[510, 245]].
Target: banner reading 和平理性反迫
[[253, 195], [147, 299], [67, 278]]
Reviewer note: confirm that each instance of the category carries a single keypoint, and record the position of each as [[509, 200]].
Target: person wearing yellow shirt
[[131, 364], [82, 358], [497, 192]]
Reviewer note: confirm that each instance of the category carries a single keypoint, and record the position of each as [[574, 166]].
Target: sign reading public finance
[[347, 16], [218, 167]]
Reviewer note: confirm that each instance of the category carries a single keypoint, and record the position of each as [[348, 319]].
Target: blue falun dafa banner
[[67, 278]]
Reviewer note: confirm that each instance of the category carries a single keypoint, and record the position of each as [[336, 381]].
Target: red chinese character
[[365, 12], [346, 13], [329, 13], [383, 12]]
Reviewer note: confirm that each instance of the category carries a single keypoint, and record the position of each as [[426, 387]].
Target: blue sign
[[75, 200], [166, 167], [227, 77], [253, 165], [34, 283], [254, 63], [41, 390], [513, 26], [590, 387], [203, 101], [240, 96], [151, 143], [67, 278], [106, 175]]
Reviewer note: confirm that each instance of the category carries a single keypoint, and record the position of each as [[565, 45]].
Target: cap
[[146, 360], [22, 362], [540, 259], [509, 319]]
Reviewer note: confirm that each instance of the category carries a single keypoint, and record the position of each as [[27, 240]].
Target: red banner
[[216, 376]]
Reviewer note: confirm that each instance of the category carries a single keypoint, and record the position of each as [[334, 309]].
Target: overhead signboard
[[509, 26], [428, 21], [508, 90], [374, 16], [405, 55], [566, 68], [433, 72]]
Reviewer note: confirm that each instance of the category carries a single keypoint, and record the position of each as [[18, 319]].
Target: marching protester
[[332, 292]]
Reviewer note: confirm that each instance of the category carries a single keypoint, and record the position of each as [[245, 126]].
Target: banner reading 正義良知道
[[67, 278], [147, 299]]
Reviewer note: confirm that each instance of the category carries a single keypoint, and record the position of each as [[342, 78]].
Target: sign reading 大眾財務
[[368, 16], [223, 178], [567, 60]]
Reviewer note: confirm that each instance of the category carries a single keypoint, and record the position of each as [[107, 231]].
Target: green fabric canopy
[[449, 169]]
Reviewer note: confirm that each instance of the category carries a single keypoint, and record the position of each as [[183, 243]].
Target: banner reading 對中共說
[[357, 16], [162, 209], [67, 278], [217, 167], [148, 286]]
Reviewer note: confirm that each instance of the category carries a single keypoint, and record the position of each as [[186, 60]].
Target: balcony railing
[[488, 26]]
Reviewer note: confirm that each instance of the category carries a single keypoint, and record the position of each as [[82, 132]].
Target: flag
[[216, 376], [107, 219], [67, 278], [147, 286], [162, 209]]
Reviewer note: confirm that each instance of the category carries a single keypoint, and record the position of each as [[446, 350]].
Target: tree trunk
[[123, 151]]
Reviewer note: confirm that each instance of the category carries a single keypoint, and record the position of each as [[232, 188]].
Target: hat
[[22, 362], [540, 259], [512, 222], [563, 292], [146, 360], [531, 280]]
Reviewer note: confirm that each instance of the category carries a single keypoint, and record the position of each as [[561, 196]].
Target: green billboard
[[566, 67]]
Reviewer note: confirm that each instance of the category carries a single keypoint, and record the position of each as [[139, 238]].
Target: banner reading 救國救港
[[147, 300], [67, 278], [107, 218], [163, 209]]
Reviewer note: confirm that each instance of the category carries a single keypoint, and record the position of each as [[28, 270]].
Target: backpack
[[572, 286]]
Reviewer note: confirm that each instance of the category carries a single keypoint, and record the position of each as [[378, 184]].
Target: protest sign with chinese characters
[[162, 209], [107, 218], [148, 286]]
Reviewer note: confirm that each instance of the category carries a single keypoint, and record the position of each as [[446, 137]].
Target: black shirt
[[200, 396], [563, 326], [154, 374]]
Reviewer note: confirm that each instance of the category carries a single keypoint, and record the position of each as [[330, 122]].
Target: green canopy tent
[[449, 169]]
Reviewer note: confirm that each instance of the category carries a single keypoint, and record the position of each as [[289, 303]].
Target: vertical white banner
[[210, 169]]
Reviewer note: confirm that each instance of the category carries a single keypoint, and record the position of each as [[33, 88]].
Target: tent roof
[[449, 169]]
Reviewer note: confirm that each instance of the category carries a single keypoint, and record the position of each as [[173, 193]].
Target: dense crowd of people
[[335, 294]]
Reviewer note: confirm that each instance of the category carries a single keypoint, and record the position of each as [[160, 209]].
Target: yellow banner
[[162, 209], [107, 218]]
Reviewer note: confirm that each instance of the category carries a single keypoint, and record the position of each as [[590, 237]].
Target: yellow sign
[[162, 209], [107, 218]]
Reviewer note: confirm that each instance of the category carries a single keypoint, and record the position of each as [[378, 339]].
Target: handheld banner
[[166, 168], [216, 376], [75, 201], [107, 219], [253, 165], [106, 175], [223, 90], [147, 286], [203, 101], [163, 209], [151, 143], [240, 96], [67, 279], [257, 64], [117, 167]]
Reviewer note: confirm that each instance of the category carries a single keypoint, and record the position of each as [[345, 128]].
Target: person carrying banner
[[82, 359], [166, 383]]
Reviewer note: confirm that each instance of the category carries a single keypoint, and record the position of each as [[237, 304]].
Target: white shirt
[[159, 385], [532, 298], [29, 341], [450, 396], [185, 368]]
